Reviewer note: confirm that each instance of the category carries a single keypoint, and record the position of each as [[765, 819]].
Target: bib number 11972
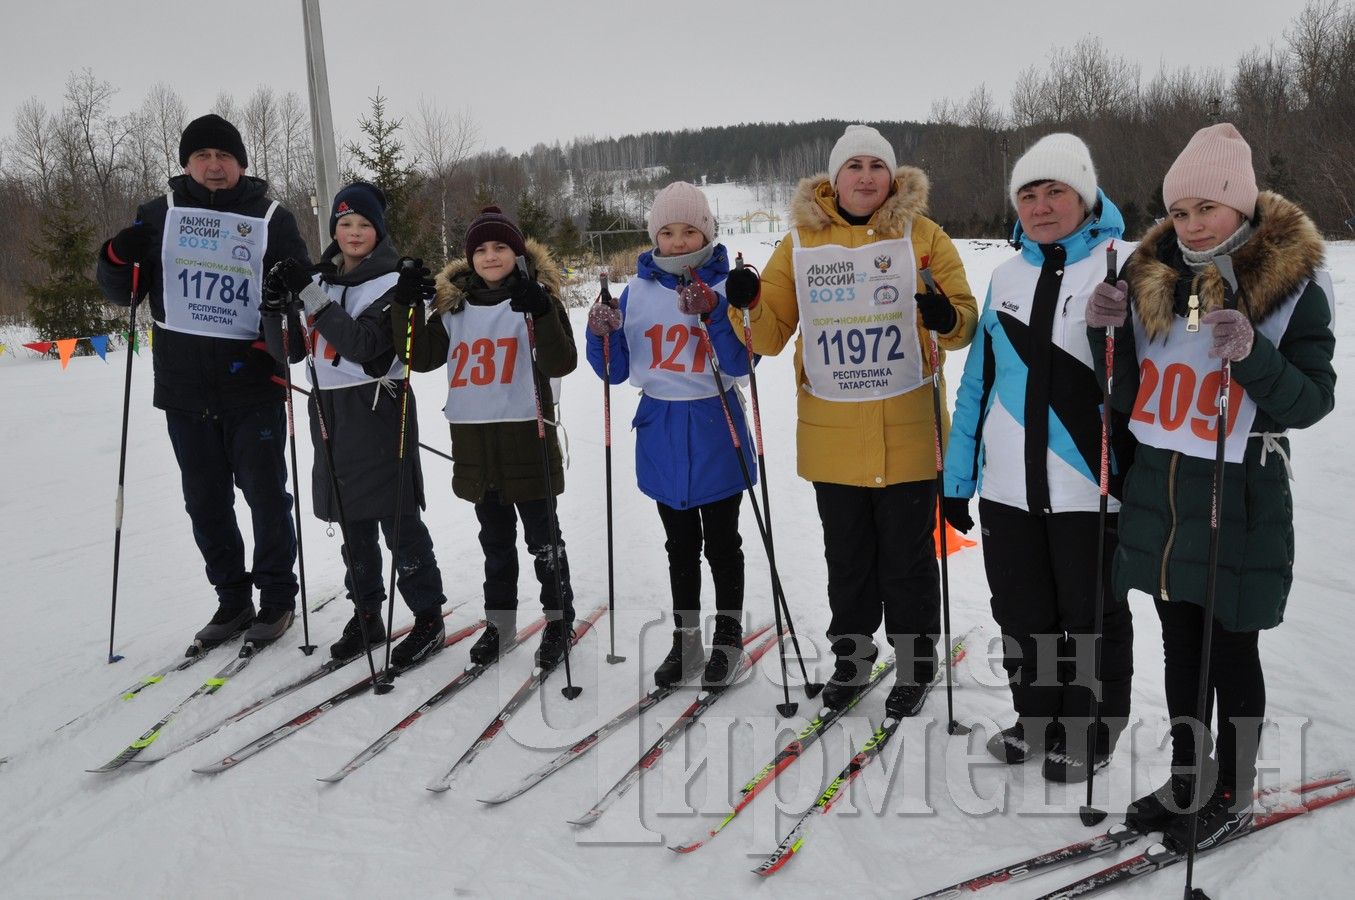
[[860, 345]]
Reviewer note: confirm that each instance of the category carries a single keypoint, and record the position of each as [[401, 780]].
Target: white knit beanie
[[859, 140], [1057, 157], [683, 202]]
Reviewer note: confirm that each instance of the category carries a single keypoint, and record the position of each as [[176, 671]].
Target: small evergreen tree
[[534, 218], [567, 240], [67, 303], [383, 158]]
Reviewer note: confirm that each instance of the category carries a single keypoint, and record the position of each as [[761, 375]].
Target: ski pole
[[307, 648], [570, 691], [421, 445], [1089, 814], [934, 351], [379, 686], [405, 264], [779, 604], [122, 458], [605, 296], [1225, 267], [757, 415]]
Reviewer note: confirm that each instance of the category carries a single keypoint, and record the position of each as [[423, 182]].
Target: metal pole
[[322, 120]]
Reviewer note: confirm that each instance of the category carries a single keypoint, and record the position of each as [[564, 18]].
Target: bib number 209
[[1166, 398]]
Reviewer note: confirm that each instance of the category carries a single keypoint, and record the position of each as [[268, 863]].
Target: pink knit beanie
[[682, 202], [1216, 165]]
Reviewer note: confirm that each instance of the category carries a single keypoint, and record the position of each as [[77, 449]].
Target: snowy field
[[934, 809]]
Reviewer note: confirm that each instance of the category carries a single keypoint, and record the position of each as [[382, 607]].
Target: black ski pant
[[882, 566], [1042, 576], [217, 453], [417, 576], [499, 541], [713, 527], [1236, 682]]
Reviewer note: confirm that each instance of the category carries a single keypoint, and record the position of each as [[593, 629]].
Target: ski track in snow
[[916, 819]]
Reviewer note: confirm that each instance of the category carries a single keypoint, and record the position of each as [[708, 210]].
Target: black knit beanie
[[212, 131], [493, 225], [367, 200]]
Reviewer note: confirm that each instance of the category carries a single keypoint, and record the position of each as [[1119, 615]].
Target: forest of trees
[[72, 175]]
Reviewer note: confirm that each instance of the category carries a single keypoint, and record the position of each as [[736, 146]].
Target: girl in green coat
[[1275, 329]]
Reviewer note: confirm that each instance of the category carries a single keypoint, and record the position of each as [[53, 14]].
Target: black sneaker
[[555, 638], [424, 639], [1224, 816], [487, 648], [230, 619], [1011, 746], [683, 660], [269, 625], [1155, 811], [1066, 767], [849, 675], [906, 700], [350, 643], [726, 650]]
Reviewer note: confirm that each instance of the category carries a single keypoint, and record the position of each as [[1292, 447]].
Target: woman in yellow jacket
[[846, 279]]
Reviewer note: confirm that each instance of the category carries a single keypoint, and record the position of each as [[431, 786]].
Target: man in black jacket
[[199, 253]]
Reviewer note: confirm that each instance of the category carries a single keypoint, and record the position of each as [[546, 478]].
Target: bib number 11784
[[213, 287]]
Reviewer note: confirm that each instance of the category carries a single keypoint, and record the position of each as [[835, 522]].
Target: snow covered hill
[[937, 809]]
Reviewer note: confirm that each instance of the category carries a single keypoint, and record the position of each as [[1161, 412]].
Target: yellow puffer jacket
[[871, 443]]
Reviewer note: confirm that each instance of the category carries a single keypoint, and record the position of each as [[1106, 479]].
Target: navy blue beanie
[[367, 200]]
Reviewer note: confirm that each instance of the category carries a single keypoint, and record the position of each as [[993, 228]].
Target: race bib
[[858, 319], [489, 366], [333, 370], [212, 265], [1177, 406], [669, 357]]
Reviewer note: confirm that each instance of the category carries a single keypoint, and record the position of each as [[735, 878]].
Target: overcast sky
[[533, 71]]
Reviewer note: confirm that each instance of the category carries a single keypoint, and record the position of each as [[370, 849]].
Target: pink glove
[[603, 319], [1108, 306], [1232, 338], [696, 299]]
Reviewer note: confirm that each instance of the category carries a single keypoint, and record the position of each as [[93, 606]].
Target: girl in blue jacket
[[684, 456]]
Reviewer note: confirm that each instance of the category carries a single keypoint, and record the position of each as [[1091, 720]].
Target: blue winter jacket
[[996, 373], [684, 455]]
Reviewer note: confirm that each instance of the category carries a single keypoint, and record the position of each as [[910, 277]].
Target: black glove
[[288, 275], [742, 287], [415, 285], [937, 314], [133, 244], [529, 297], [275, 302], [956, 510]]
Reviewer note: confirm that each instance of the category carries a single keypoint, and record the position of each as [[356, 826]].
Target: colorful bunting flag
[[100, 344], [64, 348], [40, 347]]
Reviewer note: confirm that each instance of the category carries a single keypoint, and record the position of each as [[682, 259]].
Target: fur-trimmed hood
[[458, 278], [1285, 250], [814, 206]]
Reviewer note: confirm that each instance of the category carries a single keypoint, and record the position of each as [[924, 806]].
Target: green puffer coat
[[1164, 521], [500, 457]]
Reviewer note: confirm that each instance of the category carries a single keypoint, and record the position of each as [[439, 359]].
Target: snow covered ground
[[934, 809]]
